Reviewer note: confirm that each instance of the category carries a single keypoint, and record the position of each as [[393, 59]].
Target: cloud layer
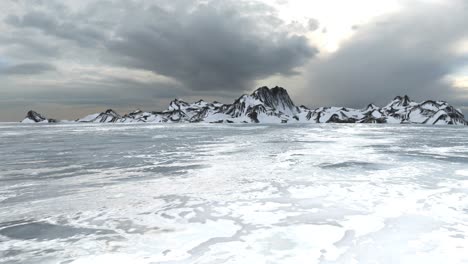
[[143, 53], [26, 69], [207, 45], [216, 47], [411, 52]]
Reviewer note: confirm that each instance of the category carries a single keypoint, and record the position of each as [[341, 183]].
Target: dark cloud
[[411, 52], [213, 47], [26, 69], [206, 45]]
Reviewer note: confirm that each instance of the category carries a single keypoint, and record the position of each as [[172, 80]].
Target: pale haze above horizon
[[69, 58]]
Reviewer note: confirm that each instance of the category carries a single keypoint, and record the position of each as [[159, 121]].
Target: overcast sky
[[68, 58]]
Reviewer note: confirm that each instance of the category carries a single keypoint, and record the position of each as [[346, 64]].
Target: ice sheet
[[219, 193]]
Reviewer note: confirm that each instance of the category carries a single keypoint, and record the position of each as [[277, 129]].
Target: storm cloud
[[209, 45], [212, 48]]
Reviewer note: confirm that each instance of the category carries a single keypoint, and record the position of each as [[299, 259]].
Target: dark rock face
[[337, 119], [34, 117], [109, 116], [274, 105], [254, 117], [276, 98], [401, 101]]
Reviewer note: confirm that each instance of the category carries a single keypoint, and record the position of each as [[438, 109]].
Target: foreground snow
[[275, 106], [155, 193]]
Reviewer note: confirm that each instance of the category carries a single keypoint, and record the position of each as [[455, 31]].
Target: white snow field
[[219, 193]]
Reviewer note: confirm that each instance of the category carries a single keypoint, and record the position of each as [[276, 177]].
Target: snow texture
[[255, 193]]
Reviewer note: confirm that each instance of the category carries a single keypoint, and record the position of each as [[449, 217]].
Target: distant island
[[274, 105]]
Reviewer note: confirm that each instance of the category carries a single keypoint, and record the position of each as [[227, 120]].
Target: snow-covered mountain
[[274, 105], [34, 117]]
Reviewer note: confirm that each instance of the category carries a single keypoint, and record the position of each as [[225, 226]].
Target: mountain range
[[274, 105]]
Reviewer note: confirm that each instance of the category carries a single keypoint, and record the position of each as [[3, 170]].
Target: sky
[[67, 58]]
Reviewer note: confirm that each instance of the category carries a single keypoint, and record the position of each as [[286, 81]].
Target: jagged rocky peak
[[178, 104], [111, 112], [402, 101], [108, 116], [276, 98], [202, 103], [35, 117], [136, 112], [371, 107]]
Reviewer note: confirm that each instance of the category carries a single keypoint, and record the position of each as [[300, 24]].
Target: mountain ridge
[[274, 105]]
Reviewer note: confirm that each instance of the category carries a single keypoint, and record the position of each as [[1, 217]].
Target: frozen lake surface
[[233, 194]]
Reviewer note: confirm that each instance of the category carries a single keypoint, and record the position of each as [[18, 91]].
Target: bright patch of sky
[[338, 19]]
